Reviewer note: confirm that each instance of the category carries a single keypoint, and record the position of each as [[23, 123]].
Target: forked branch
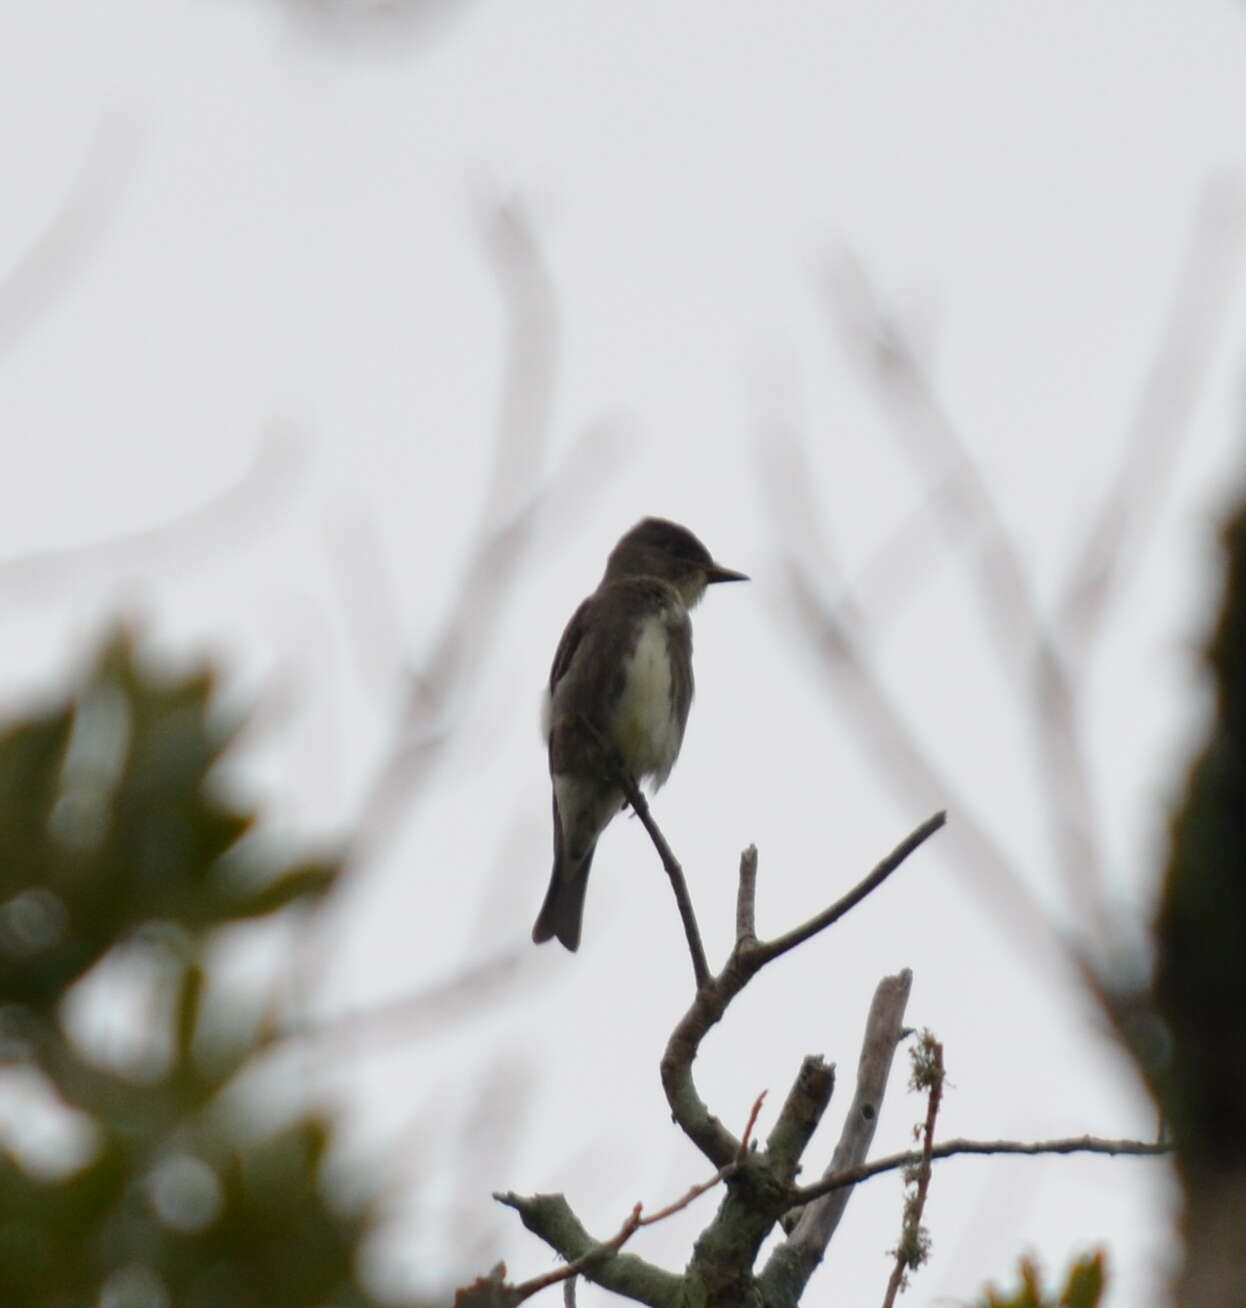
[[760, 1189], [550, 1217], [747, 958]]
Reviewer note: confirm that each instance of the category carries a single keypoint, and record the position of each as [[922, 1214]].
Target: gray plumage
[[623, 665]]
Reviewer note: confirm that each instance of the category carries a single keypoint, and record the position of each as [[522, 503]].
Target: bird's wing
[[569, 643]]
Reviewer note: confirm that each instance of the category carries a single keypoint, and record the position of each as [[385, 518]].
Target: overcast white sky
[[279, 230]]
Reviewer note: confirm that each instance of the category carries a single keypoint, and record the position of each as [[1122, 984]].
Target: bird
[[621, 681]]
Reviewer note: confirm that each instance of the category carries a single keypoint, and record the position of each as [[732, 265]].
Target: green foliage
[[1200, 986], [1083, 1288], [118, 844]]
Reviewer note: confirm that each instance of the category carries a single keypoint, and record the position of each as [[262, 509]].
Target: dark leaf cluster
[[1083, 1287], [119, 843]]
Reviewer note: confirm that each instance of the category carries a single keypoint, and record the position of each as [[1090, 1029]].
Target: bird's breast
[[646, 726]]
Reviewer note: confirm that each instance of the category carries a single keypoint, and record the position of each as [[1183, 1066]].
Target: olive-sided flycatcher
[[622, 675]]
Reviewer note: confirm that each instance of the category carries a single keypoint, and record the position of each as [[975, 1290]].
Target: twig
[[914, 1242], [746, 897], [409, 1016], [1084, 1144], [526, 1289], [700, 967], [640, 806], [694, 1193], [747, 1137], [772, 949]]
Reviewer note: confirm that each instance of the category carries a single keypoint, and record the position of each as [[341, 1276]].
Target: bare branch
[[506, 515], [792, 1263], [202, 531], [799, 1118], [411, 1015], [1008, 600], [368, 595], [640, 806], [1082, 1144], [746, 960], [901, 761], [760, 1182], [746, 897], [930, 438], [692, 932], [914, 1244], [893, 573], [550, 1217], [1192, 329], [772, 949], [48, 271], [526, 398], [371, 29], [520, 498], [612, 1246], [692, 1116], [1068, 786], [421, 731]]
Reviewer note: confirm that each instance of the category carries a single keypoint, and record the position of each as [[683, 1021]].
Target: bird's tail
[[563, 910]]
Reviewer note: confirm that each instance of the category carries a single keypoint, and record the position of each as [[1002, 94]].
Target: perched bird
[[622, 679]]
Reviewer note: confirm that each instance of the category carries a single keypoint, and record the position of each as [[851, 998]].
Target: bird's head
[[657, 548]]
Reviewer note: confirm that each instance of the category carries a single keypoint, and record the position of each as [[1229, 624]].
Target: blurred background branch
[[58, 259]]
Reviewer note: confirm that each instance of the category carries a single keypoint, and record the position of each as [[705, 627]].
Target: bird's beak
[[716, 572]]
